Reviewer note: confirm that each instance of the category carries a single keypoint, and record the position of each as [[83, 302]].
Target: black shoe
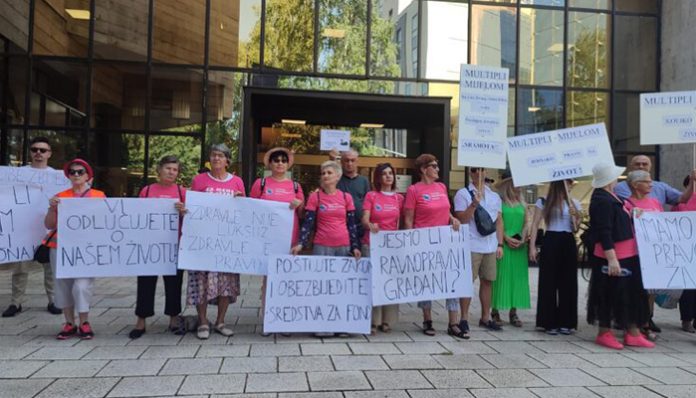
[[11, 311], [490, 325], [53, 309], [136, 333], [653, 327], [464, 325]]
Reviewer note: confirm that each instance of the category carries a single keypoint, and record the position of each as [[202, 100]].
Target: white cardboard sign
[[483, 116], [668, 118], [318, 294], [334, 139], [110, 237], [238, 235], [558, 155], [420, 264]]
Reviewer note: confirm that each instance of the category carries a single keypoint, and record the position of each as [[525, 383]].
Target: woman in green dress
[[511, 287]]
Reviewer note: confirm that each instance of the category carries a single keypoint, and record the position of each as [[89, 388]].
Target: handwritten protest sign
[[24, 194], [318, 294], [420, 264], [559, 154], [116, 237], [334, 139], [667, 249], [483, 116], [237, 235], [668, 118]]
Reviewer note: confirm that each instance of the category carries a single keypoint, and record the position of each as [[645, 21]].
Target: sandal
[[454, 330], [515, 320], [649, 334], [495, 316], [224, 330], [180, 328], [428, 328], [384, 328], [203, 332]]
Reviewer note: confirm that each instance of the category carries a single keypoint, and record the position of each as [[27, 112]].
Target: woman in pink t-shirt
[[427, 205], [166, 187], [382, 211], [223, 287], [279, 188]]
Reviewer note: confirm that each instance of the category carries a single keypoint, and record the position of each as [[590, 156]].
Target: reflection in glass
[[644, 6], [187, 149], [58, 93], [179, 31], [176, 100], [120, 30], [539, 110], [118, 161], [541, 47], [551, 3], [231, 24], [342, 36], [16, 89], [625, 134], [511, 112], [225, 110], [14, 24], [635, 58], [289, 42], [14, 154], [388, 45], [598, 4], [586, 107], [118, 96], [588, 49], [444, 38], [59, 32], [494, 37]]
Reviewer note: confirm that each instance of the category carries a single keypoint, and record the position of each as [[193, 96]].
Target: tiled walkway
[[513, 363]]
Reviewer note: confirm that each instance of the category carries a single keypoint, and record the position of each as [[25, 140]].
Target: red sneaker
[[86, 332], [68, 331], [637, 341], [608, 340]]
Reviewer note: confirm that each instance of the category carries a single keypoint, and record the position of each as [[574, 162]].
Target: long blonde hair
[[508, 194]]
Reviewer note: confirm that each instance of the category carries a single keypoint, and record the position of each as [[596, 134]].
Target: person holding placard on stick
[[427, 205], [72, 294], [382, 211], [616, 287]]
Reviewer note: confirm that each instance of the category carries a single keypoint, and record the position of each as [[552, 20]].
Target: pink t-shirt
[[625, 248], [205, 182], [385, 211], [280, 191], [688, 206], [332, 221], [645, 204], [162, 191], [430, 204]]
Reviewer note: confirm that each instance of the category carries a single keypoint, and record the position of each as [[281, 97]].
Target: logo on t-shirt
[[322, 207], [426, 197], [378, 207], [269, 191]]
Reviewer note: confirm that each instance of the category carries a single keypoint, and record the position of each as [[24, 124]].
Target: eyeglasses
[[35, 149], [279, 160], [77, 172], [434, 166]]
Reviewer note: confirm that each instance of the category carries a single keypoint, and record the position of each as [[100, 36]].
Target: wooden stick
[[481, 187]]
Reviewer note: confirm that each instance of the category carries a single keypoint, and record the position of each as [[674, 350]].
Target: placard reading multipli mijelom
[[668, 118]]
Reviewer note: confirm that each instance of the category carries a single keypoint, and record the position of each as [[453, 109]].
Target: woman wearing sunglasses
[[72, 294]]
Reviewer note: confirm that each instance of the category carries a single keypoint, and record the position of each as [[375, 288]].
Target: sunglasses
[[279, 160], [77, 172], [42, 150]]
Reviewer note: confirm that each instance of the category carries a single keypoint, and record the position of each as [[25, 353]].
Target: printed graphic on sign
[[334, 139]]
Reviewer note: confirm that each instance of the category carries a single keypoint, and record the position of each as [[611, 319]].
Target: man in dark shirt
[[351, 182]]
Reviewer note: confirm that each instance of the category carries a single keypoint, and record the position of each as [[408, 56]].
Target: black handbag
[[42, 254], [484, 223]]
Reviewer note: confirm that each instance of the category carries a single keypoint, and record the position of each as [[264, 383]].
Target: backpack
[[484, 223], [295, 186]]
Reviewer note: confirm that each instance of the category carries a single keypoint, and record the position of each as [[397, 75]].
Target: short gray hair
[[351, 151], [636, 175], [330, 164], [221, 148]]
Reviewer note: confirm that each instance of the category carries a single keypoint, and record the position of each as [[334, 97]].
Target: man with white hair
[[352, 182], [663, 192]]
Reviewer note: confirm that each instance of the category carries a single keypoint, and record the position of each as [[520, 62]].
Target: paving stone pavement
[[516, 362]]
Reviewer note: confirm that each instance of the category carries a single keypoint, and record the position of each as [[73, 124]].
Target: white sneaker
[[203, 332], [224, 330]]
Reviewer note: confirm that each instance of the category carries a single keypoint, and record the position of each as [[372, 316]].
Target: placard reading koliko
[[668, 118]]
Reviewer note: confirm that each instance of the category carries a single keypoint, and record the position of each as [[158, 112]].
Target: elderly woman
[[427, 205], [616, 288], [557, 301], [72, 294], [382, 211], [278, 187], [167, 188], [220, 287]]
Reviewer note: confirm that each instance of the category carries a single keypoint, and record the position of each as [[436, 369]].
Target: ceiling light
[[534, 109], [78, 14], [293, 121], [334, 33], [371, 125]]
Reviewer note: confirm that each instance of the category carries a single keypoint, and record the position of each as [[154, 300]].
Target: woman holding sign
[[166, 187], [72, 294], [279, 188], [221, 287], [427, 205], [616, 287], [382, 211]]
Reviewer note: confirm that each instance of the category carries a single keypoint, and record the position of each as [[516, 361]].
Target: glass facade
[[122, 83]]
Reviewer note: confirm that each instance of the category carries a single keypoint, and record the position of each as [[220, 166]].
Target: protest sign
[[558, 155], [237, 235], [483, 116], [317, 294], [116, 237], [334, 139], [667, 249], [420, 264], [668, 118], [24, 194]]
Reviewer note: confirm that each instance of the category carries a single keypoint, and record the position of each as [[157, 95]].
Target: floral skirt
[[206, 287]]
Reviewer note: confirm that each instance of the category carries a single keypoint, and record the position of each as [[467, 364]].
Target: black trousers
[[145, 304], [687, 305], [557, 303]]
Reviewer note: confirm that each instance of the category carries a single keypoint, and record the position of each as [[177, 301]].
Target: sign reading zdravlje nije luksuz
[[668, 118], [116, 237], [483, 116], [559, 154], [226, 234]]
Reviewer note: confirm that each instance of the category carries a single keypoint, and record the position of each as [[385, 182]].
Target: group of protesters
[[337, 219]]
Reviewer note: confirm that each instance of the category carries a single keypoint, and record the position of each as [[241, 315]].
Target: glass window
[[118, 96], [176, 100], [644, 6], [550, 3], [625, 132], [588, 49], [187, 149], [16, 89], [14, 154], [586, 107], [635, 56], [539, 110], [14, 24], [231, 27], [444, 39], [342, 36], [118, 162], [389, 50], [598, 4], [541, 47], [120, 30], [289, 29], [225, 109], [178, 34], [58, 93], [494, 37], [511, 112], [59, 30]]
